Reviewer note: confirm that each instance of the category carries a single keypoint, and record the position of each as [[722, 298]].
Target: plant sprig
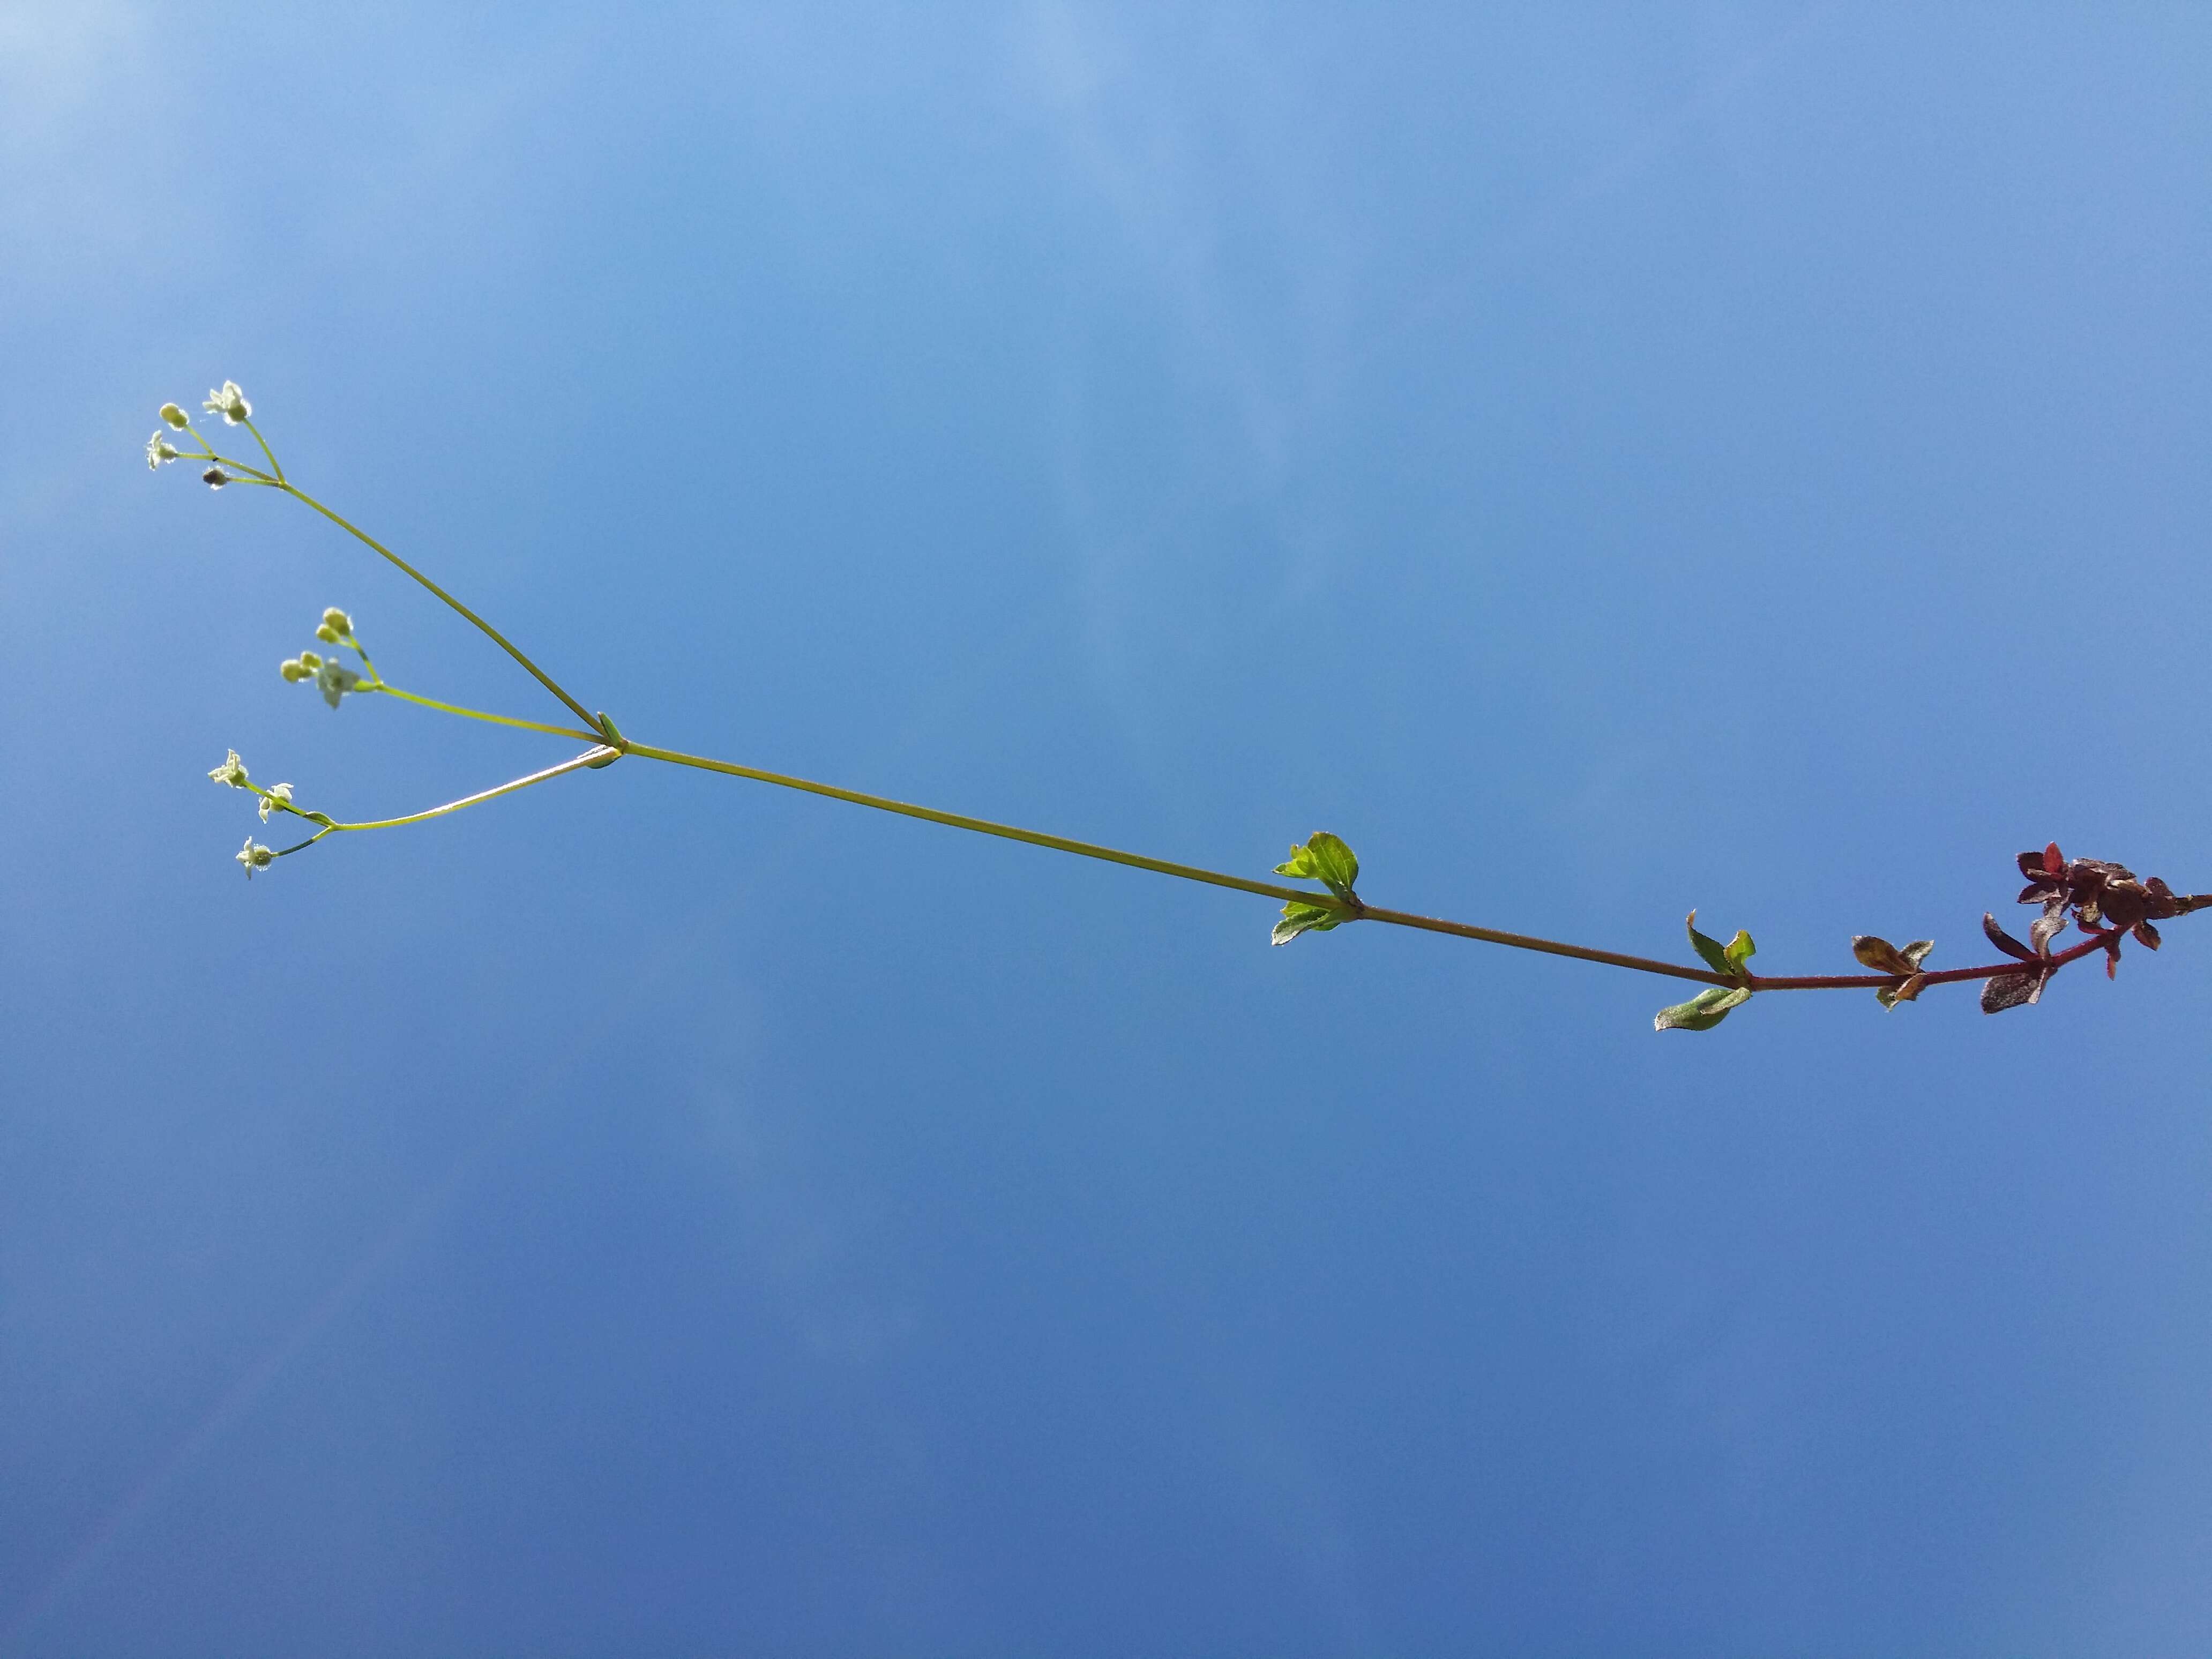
[[2103, 900]]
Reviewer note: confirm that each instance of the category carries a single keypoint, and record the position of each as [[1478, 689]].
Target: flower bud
[[215, 478], [338, 619], [293, 670], [310, 661], [175, 416], [327, 635]]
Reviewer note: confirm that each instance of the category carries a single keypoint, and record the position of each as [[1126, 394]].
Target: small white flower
[[229, 402], [277, 792], [335, 682], [254, 857], [231, 771], [158, 450]]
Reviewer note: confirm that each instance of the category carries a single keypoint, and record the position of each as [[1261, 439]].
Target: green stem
[[586, 759], [275, 465], [984, 826], [489, 632], [477, 714]]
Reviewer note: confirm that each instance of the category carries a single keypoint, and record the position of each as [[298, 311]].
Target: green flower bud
[[327, 635], [337, 620], [310, 661], [293, 670], [175, 416]]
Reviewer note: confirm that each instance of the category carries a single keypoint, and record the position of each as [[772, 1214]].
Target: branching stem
[[608, 744]]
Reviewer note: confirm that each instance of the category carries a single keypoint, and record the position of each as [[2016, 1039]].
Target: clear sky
[[1598, 460]]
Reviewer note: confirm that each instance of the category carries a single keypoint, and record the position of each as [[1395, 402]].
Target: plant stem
[[586, 759], [1352, 910], [475, 714], [984, 826], [489, 632]]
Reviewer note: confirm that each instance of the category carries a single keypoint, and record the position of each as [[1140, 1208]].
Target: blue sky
[[1598, 460]]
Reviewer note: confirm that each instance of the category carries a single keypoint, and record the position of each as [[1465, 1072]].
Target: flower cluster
[[226, 400], [331, 677], [278, 798]]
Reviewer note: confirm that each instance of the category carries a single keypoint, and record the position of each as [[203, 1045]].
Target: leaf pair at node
[[1710, 1007], [1884, 957], [1323, 857]]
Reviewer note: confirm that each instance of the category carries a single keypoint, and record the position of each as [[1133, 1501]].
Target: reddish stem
[[1874, 982]]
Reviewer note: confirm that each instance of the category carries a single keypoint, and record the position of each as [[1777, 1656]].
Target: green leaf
[[1741, 950], [1702, 1011], [1716, 956], [1333, 862], [1305, 918], [1325, 858]]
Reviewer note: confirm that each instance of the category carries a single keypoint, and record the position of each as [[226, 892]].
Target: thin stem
[[489, 632], [1548, 946], [475, 714], [275, 465], [984, 826], [1946, 976], [590, 757], [1352, 910]]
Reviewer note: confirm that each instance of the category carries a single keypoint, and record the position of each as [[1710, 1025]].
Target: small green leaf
[[1305, 918], [1741, 950], [1702, 1011], [1333, 862], [1324, 858], [1717, 957]]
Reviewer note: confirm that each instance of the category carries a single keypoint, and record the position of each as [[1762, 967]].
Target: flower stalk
[[2104, 900]]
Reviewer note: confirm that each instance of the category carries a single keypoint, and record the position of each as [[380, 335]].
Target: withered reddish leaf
[[2003, 991], [2053, 860], [2146, 935], [1890, 995], [2031, 866], [2125, 903], [1881, 955], [2036, 891], [2004, 942], [2046, 927]]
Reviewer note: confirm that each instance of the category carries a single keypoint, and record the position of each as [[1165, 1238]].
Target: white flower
[[335, 682], [231, 771], [254, 857], [277, 792], [158, 450], [228, 402]]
